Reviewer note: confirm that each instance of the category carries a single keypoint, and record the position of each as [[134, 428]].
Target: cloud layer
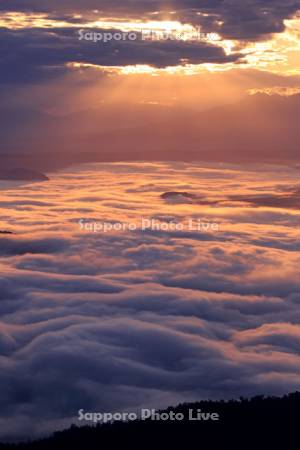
[[119, 320]]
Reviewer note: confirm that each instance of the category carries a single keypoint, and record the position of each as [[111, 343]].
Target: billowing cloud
[[110, 321]]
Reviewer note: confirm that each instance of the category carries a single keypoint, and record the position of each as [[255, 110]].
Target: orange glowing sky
[[163, 130], [52, 70], [278, 53]]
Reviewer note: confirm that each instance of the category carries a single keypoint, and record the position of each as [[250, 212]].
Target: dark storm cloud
[[43, 54], [35, 55], [247, 20], [31, 56]]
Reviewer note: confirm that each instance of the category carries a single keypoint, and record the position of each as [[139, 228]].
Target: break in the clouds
[[128, 319]]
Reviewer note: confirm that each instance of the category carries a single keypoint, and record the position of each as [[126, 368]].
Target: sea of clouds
[[138, 319]]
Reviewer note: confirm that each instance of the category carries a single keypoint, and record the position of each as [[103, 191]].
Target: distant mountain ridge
[[260, 128]]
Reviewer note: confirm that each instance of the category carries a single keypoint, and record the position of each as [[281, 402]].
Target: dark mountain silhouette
[[178, 196], [21, 174], [257, 423]]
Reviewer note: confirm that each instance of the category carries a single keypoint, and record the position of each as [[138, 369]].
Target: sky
[[242, 46], [202, 126], [63, 92]]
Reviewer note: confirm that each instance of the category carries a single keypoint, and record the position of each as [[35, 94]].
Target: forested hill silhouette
[[257, 423]]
